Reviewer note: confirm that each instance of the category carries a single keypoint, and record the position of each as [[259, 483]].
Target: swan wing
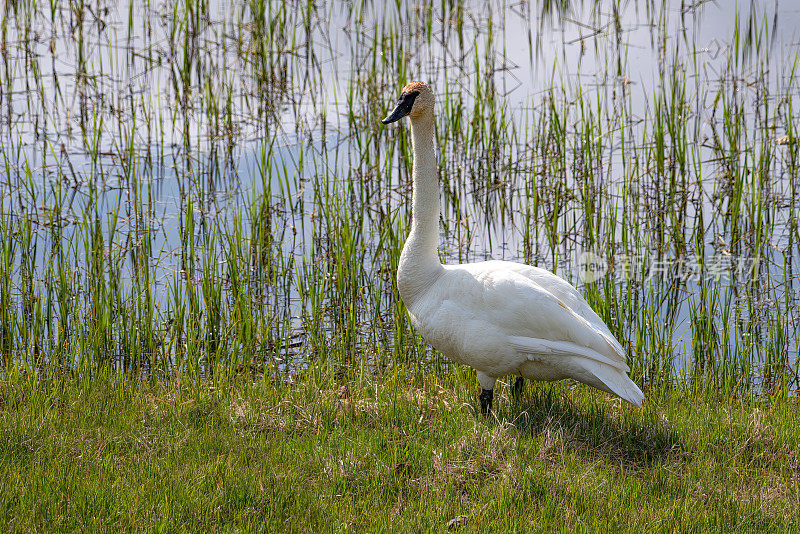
[[543, 349], [566, 293], [514, 303]]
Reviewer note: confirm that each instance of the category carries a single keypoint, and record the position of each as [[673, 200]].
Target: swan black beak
[[403, 107]]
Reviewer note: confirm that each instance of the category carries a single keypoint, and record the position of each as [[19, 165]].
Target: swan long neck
[[419, 262]]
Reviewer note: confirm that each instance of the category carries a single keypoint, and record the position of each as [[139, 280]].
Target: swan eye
[[403, 108], [410, 96]]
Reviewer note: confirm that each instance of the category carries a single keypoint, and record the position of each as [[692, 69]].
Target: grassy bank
[[400, 451]]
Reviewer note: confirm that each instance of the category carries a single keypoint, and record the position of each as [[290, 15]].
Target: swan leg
[[486, 400], [519, 385], [487, 393]]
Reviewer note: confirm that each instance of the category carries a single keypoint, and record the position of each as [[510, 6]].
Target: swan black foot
[[519, 385], [486, 401]]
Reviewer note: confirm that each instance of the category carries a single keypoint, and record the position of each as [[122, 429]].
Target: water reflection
[[236, 153]]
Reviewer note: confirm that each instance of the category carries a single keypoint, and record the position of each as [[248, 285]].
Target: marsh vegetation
[[204, 191], [189, 184]]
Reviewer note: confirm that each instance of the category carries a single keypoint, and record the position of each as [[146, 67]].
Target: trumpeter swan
[[500, 317]]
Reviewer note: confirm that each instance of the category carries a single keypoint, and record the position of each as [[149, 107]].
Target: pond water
[[188, 182]]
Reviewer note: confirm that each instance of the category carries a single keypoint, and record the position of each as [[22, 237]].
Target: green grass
[[387, 452]]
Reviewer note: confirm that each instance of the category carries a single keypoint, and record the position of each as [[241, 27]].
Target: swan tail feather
[[582, 364], [621, 385]]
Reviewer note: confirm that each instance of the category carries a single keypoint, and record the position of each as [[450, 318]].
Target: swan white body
[[499, 317]]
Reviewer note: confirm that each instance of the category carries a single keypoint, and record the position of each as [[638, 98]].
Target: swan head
[[415, 100]]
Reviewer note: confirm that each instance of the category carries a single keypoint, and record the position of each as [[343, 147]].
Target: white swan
[[499, 317]]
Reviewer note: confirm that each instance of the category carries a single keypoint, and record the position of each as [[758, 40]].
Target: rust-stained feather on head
[[413, 86]]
